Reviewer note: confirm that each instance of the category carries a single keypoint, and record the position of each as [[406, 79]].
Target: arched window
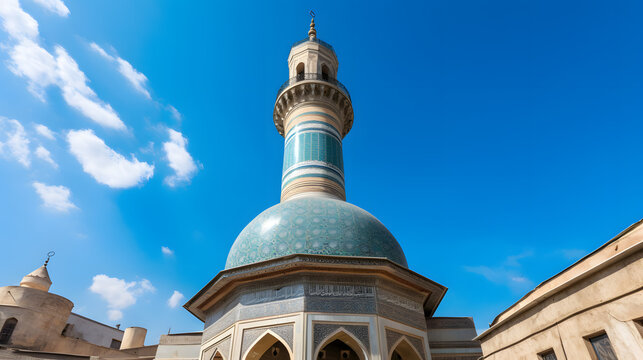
[[404, 351], [268, 347], [217, 356], [7, 330], [300, 71], [340, 346], [325, 72]]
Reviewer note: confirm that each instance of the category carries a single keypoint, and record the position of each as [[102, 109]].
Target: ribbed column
[[313, 161]]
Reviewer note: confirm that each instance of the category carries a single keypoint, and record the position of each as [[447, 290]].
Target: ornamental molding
[[313, 91]]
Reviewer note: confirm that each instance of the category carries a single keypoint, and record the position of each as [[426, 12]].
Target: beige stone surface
[[602, 292]]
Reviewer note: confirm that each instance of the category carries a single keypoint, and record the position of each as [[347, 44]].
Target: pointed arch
[[263, 343], [404, 348], [217, 355], [347, 338]]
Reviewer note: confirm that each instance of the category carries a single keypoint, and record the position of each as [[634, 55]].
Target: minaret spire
[[312, 33]]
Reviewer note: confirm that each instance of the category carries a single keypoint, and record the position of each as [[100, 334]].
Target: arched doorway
[[404, 351], [7, 330], [340, 346], [268, 347]]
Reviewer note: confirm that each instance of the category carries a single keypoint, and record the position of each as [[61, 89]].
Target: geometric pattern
[[314, 225]]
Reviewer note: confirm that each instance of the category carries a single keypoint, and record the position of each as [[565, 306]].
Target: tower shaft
[[313, 161], [313, 112]]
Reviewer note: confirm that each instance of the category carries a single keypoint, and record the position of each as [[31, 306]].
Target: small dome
[[37, 279], [314, 225]]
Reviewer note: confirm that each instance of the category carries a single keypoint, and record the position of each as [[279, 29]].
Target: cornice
[[313, 91]]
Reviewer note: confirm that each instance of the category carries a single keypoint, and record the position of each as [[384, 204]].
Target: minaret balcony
[[314, 77]]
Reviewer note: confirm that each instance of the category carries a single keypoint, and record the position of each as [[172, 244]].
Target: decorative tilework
[[322, 331], [312, 225], [313, 145], [393, 336], [222, 347], [251, 335]]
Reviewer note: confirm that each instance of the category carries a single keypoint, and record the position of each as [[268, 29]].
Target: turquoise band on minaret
[[313, 149]]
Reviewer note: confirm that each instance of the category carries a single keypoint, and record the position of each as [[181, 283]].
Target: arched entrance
[[404, 351], [340, 346], [269, 347], [7, 330]]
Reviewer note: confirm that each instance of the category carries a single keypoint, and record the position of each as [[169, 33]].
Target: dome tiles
[[314, 225]]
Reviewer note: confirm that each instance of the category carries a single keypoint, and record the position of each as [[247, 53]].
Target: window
[[7, 330], [116, 344], [638, 323], [548, 355], [602, 347], [325, 72], [300, 71]]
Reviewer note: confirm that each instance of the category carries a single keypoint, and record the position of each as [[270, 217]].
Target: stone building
[[593, 310], [315, 277], [35, 323]]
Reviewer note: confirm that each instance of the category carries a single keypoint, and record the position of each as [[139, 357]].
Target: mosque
[[315, 277]]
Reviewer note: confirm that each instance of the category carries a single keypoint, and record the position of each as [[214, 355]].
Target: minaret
[[313, 112]]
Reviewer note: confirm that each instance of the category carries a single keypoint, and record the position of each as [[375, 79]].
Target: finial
[[49, 255], [312, 33]]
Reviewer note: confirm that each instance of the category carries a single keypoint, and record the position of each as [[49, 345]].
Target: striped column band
[[313, 149]]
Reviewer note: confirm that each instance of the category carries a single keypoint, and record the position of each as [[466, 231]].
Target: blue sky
[[498, 141]]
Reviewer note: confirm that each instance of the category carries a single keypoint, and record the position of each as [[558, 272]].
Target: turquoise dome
[[314, 225]]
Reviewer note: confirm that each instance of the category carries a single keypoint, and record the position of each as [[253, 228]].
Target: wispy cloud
[[174, 112], [179, 158], [118, 293], [42, 69], [508, 273], [14, 142], [137, 79], [104, 164], [175, 299], [573, 254], [55, 6], [44, 154], [54, 197], [167, 251], [44, 131]]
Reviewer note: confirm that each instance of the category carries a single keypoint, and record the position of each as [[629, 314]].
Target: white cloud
[[104, 164], [114, 315], [45, 155], [137, 79], [174, 112], [167, 251], [54, 197], [180, 160], [118, 293], [175, 299], [16, 22], [508, 273], [101, 51], [14, 142], [29, 60], [44, 131], [55, 6]]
